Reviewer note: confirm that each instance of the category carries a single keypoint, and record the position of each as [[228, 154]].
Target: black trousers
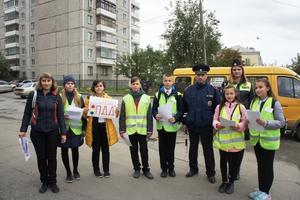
[[45, 145], [265, 160], [100, 141], [166, 144], [139, 141], [65, 159], [208, 152], [234, 160]]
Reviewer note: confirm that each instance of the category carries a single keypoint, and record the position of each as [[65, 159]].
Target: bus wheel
[[297, 135]]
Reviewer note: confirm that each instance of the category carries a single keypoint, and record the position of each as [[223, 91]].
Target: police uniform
[[199, 103]]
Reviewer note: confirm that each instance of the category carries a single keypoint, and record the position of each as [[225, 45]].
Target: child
[[136, 121], [71, 97], [167, 129], [230, 141], [265, 142], [100, 133]]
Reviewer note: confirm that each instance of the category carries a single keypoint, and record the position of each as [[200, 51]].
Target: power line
[[287, 4]]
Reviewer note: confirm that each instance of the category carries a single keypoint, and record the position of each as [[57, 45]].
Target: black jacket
[[46, 113]]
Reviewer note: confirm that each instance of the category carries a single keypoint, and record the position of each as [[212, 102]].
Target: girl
[[100, 133], [47, 120], [71, 97], [265, 142], [230, 141]]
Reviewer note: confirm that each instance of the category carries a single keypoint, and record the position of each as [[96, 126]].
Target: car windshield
[[27, 85]]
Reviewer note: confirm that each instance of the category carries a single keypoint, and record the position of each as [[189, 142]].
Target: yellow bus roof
[[249, 70]]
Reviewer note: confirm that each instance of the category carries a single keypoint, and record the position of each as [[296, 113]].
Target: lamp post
[[204, 31]]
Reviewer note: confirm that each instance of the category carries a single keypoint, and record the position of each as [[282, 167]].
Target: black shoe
[[54, 188], [98, 174], [148, 175], [76, 176], [172, 173], [222, 187], [211, 179], [191, 174], [164, 174], [136, 174], [43, 188], [106, 174], [69, 178], [237, 177], [229, 188]]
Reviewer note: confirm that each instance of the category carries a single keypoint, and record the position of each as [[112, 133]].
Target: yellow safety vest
[[136, 118], [244, 86], [74, 125], [268, 139]]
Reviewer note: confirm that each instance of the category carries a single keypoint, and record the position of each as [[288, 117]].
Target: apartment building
[[250, 56], [79, 37]]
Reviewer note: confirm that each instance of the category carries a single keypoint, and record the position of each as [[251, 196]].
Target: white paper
[[165, 112], [102, 107], [74, 113], [25, 147], [226, 123], [126, 140], [252, 116]]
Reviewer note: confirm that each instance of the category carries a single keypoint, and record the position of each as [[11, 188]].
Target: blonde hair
[[49, 76], [77, 99]]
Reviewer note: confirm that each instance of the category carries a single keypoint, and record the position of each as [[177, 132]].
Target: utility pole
[[204, 31]]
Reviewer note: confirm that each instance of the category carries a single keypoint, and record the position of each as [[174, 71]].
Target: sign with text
[[102, 107]]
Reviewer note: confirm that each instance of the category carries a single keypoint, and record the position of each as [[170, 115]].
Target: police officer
[[199, 103]]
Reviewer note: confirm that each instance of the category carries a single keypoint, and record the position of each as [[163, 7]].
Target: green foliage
[[295, 66], [4, 68], [184, 34], [225, 57]]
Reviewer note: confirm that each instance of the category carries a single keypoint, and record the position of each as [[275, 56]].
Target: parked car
[[25, 81], [5, 86], [25, 89], [14, 83]]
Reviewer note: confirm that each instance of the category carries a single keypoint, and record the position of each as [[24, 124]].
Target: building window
[[89, 19], [106, 5], [124, 17], [23, 15], [104, 71], [90, 70], [32, 13], [90, 53], [124, 31], [90, 4], [90, 36], [11, 16], [23, 62], [32, 49], [23, 39], [23, 50], [107, 53], [33, 61], [23, 27], [31, 38], [124, 4], [106, 21], [33, 75], [12, 51], [23, 4], [125, 44], [106, 37], [32, 25]]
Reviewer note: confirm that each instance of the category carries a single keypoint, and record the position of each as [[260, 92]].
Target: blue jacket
[[199, 103], [46, 114]]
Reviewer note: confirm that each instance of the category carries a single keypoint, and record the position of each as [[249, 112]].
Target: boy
[[167, 128], [136, 120]]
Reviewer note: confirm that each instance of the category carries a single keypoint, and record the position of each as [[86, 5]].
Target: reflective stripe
[[136, 125], [169, 124], [135, 117], [270, 139], [230, 141], [226, 131]]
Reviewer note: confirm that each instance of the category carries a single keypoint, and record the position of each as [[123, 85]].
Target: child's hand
[[22, 134], [158, 117], [261, 122], [172, 120], [66, 117], [122, 134], [235, 127], [117, 112], [63, 138], [219, 126]]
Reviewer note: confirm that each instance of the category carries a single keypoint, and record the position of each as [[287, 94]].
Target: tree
[[225, 57], [4, 68], [295, 66], [148, 64], [184, 33]]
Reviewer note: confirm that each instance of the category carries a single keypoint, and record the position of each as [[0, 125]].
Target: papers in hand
[[165, 112], [252, 116], [226, 123], [25, 147], [74, 113], [126, 140]]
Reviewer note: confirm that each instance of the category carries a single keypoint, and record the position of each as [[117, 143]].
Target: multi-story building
[[81, 37], [250, 56]]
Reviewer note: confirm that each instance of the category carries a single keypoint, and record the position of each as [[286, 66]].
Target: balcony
[[106, 45], [135, 29], [13, 21], [135, 14], [11, 9], [113, 1], [135, 39], [13, 44], [135, 4], [11, 33], [12, 57], [101, 11], [101, 27], [105, 61], [15, 68]]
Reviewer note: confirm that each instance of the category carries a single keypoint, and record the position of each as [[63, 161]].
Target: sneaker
[[222, 187], [191, 174], [254, 194], [54, 188], [148, 175], [164, 174], [211, 179], [263, 196], [229, 188], [136, 174], [43, 188], [106, 174], [69, 178], [76, 176], [172, 173], [98, 174]]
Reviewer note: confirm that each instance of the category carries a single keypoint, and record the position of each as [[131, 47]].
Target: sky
[[270, 26]]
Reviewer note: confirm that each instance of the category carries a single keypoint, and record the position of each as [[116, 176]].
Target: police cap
[[236, 62], [201, 69]]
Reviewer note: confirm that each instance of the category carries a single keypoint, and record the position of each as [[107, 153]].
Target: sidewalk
[[20, 179]]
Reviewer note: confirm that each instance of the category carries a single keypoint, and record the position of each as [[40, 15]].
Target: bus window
[[288, 87], [216, 81], [182, 82], [252, 79]]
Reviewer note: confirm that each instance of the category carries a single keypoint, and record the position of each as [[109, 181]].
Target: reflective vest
[[228, 138], [268, 139], [136, 117], [74, 125], [169, 127], [244, 86]]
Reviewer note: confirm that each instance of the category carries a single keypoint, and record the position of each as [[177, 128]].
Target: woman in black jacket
[[47, 121]]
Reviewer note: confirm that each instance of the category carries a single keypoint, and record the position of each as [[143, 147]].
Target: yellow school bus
[[285, 85]]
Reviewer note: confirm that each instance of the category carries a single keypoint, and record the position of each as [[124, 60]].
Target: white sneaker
[[263, 196], [254, 194]]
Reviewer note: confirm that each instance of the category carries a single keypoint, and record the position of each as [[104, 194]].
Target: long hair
[[267, 84], [46, 75], [77, 99], [223, 101], [243, 77]]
